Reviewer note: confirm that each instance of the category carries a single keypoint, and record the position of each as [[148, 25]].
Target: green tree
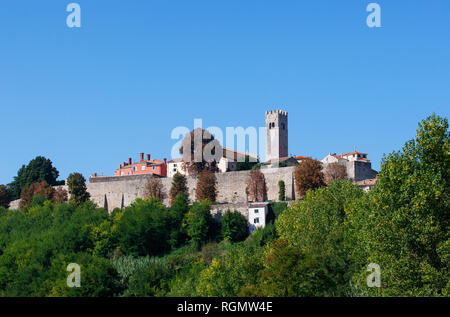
[[186, 281], [403, 224], [287, 272], [263, 236], [281, 190], [199, 223], [5, 196], [275, 210], [227, 275], [316, 227], [38, 169], [179, 186], [77, 189], [98, 277], [143, 228], [234, 226], [37, 246], [179, 209]]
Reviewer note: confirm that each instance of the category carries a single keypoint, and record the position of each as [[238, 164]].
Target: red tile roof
[[354, 152], [302, 157], [339, 157], [176, 160], [367, 182], [258, 205], [234, 153]]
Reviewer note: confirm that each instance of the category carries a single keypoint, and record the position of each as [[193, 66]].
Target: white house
[[367, 184], [175, 166], [355, 156], [334, 158], [257, 215], [228, 162], [226, 165]]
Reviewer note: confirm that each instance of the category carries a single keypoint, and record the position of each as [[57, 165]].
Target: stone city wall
[[122, 191]]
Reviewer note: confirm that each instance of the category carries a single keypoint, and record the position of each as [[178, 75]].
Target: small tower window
[[282, 126]]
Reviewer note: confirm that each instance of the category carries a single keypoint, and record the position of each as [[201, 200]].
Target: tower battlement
[[277, 111]]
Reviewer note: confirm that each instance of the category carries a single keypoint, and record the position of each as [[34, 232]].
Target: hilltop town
[[130, 178]]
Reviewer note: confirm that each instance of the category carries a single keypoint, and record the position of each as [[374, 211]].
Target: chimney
[[129, 161], [120, 166], [148, 157], [124, 164], [142, 156], [165, 160]]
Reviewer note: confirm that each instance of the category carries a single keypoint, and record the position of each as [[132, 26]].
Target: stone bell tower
[[276, 134]]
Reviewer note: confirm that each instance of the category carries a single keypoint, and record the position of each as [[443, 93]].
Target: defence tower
[[276, 134]]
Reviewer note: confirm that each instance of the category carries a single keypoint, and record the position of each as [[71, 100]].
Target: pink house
[[143, 166]]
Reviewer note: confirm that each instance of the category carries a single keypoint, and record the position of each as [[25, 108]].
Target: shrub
[[234, 226]]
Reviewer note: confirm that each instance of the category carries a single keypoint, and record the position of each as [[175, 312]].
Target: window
[[256, 211], [174, 165], [256, 220], [135, 168], [121, 173], [282, 126], [174, 170], [143, 167], [153, 167]]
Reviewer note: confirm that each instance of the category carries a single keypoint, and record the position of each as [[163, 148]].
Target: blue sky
[[89, 98]]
